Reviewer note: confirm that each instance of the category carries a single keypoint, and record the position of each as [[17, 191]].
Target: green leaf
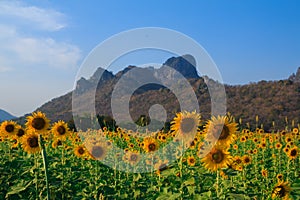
[[136, 193], [206, 194], [190, 181], [191, 189], [169, 196], [137, 177], [238, 196], [15, 189]]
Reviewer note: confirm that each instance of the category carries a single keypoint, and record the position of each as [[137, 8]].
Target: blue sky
[[44, 42]]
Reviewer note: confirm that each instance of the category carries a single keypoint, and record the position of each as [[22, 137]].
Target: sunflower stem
[[36, 176], [45, 162], [288, 170], [115, 173], [180, 169], [62, 166], [217, 186]]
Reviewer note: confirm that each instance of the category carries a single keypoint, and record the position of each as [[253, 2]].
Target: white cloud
[[18, 49], [29, 51], [44, 19], [4, 69]]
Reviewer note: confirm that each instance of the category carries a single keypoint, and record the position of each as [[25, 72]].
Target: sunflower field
[[213, 159]]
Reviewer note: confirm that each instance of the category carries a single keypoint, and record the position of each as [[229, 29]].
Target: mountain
[[270, 100], [295, 77], [5, 116]]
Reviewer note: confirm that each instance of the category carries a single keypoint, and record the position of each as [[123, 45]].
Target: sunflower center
[[246, 160], [20, 133], [33, 142], [10, 128], [238, 161], [59, 143], [81, 151], [293, 152], [187, 125], [97, 151], [281, 191], [152, 147], [192, 160], [217, 156], [224, 132], [61, 130], [133, 157], [162, 167], [38, 123]]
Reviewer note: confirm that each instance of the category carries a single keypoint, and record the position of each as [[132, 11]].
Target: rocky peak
[[105, 75], [295, 77], [121, 73], [83, 85], [186, 65]]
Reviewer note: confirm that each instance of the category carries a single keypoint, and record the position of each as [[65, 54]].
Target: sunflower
[[191, 161], [288, 139], [217, 158], [162, 138], [295, 130], [185, 124], [237, 160], [246, 159], [235, 146], [161, 166], [15, 142], [236, 163], [56, 143], [264, 173], [30, 142], [255, 151], [60, 130], [281, 190], [293, 153], [260, 131], [283, 133], [255, 140], [38, 122], [278, 145], [221, 129], [243, 139], [279, 177], [223, 174], [130, 145], [250, 151], [291, 143], [80, 151], [133, 157], [150, 144], [20, 131], [239, 168], [97, 151], [286, 149], [8, 128], [263, 145]]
